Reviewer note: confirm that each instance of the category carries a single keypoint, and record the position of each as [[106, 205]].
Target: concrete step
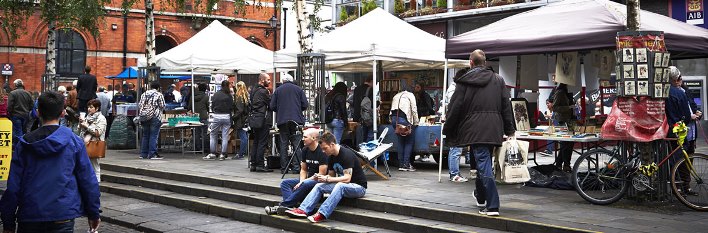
[[383, 204], [345, 214], [231, 210]]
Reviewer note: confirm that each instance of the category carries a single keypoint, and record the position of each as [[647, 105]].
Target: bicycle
[[602, 177]]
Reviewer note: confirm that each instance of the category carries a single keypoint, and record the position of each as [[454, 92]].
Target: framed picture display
[[665, 59], [658, 72], [642, 71], [521, 115], [641, 55], [630, 88], [642, 87], [658, 90], [628, 71], [666, 90], [628, 55], [657, 59], [618, 57], [665, 76]]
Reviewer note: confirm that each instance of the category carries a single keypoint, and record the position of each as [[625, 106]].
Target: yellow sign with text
[[5, 147]]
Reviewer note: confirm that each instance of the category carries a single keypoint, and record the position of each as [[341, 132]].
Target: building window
[[71, 53]]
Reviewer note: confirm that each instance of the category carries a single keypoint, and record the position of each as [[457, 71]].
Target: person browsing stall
[[314, 164], [345, 178]]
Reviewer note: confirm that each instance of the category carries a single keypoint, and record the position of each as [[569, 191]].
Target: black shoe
[[253, 168], [263, 169]]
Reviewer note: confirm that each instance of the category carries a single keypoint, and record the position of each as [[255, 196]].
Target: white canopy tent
[[378, 36]]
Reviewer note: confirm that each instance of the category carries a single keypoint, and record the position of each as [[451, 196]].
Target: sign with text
[[7, 69], [641, 120], [5, 147], [689, 11]]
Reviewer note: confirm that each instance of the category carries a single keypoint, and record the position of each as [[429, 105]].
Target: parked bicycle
[[603, 177]]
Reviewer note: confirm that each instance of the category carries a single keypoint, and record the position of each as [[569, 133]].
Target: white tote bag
[[512, 162]]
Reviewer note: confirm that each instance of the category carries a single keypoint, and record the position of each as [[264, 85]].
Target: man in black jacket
[[359, 93], [222, 104], [201, 107], [480, 114], [19, 105], [288, 102], [260, 122], [86, 88]]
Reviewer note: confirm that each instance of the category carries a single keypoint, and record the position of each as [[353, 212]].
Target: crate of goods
[[127, 109]]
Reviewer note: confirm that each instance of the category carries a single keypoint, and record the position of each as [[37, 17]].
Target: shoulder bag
[[402, 129], [96, 149]]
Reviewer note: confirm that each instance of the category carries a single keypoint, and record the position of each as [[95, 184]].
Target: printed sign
[[5, 147], [694, 12], [7, 69], [642, 120]]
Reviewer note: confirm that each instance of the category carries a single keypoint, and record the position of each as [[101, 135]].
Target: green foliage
[[343, 16], [442, 3], [368, 6], [398, 7]]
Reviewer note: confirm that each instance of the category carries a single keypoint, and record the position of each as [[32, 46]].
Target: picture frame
[[665, 59], [657, 59], [643, 88], [666, 90], [618, 57], [519, 107], [642, 71], [628, 55], [641, 55], [658, 90], [665, 76], [658, 75], [628, 71], [630, 88]]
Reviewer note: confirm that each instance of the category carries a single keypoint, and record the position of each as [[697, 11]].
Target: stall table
[[179, 137], [587, 143]]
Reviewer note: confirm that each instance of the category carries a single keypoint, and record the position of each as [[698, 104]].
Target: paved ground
[[558, 207], [81, 226]]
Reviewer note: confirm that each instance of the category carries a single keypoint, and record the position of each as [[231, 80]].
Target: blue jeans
[[292, 197], [49, 227], [216, 126], [486, 188], [243, 137], [148, 143], [20, 126], [336, 193], [453, 161], [337, 127], [551, 146], [405, 144]]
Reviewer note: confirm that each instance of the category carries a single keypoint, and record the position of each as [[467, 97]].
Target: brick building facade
[[106, 54]]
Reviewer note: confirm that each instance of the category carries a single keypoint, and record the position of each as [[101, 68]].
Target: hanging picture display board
[[642, 85], [566, 68]]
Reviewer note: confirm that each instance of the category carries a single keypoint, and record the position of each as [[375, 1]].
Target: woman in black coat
[[337, 100]]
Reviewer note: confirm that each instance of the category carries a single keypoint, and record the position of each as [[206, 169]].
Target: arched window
[[71, 53]]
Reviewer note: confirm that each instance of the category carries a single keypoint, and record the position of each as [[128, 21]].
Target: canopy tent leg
[[376, 90], [442, 136]]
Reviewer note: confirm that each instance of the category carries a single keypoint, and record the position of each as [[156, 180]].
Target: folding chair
[[369, 156]]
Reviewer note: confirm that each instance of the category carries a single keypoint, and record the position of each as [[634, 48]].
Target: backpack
[[365, 111], [331, 110]]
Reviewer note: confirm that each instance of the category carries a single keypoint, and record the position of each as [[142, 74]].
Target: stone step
[[466, 216], [345, 214], [235, 211]]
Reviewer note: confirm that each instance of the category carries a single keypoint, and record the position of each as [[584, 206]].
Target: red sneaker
[[317, 217], [296, 213]]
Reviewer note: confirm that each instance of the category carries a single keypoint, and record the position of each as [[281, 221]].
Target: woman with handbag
[[404, 118], [240, 117], [337, 107], [93, 129]]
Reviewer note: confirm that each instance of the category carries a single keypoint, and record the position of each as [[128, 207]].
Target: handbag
[[96, 149], [512, 162], [401, 129]]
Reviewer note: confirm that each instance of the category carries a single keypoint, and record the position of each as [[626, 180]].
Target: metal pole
[[376, 90], [442, 136]]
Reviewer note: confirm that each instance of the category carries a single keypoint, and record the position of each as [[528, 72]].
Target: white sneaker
[[458, 179], [209, 157], [222, 157], [473, 174], [489, 212]]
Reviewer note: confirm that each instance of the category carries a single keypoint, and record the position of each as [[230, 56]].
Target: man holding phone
[[313, 164]]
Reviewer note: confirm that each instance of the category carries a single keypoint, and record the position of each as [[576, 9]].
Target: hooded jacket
[[480, 110], [260, 109], [201, 105], [51, 179]]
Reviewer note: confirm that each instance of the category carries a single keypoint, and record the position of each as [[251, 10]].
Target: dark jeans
[[292, 197], [151, 132], [200, 133], [405, 144], [564, 154], [484, 184], [260, 140], [288, 136], [20, 126], [46, 227]]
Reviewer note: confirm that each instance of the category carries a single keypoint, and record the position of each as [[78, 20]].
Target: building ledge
[[478, 11]]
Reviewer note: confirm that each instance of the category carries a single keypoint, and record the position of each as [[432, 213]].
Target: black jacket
[[425, 104], [201, 105], [86, 87], [480, 110], [260, 99], [19, 103], [288, 101], [359, 93], [240, 113], [222, 102]]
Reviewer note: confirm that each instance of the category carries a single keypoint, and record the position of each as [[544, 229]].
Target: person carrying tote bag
[[404, 116], [93, 129]]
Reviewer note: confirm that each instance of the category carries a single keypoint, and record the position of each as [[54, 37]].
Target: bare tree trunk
[[304, 36], [633, 20], [51, 65], [150, 35]]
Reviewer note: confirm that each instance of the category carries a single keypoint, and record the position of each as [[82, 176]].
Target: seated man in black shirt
[[345, 179], [314, 163]]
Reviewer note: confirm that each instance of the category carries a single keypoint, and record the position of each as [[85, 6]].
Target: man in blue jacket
[[288, 102], [51, 180]]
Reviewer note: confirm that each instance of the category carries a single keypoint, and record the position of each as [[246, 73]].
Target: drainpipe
[[125, 40]]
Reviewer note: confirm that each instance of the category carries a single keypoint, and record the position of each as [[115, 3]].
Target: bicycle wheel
[[598, 177], [691, 189]]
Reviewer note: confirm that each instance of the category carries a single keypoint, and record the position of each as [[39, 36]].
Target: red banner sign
[[642, 120]]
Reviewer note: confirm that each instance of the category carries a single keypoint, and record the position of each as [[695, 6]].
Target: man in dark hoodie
[[479, 116], [260, 122], [222, 104], [288, 102], [201, 107], [51, 180]]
